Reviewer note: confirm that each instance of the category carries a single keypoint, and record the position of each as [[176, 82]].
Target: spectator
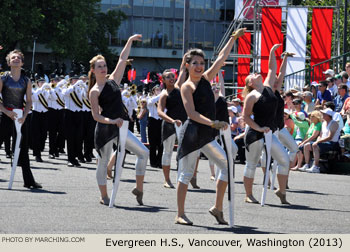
[[341, 97], [314, 90], [236, 103], [338, 80], [309, 105], [328, 73], [347, 69], [336, 116], [297, 106], [288, 100], [332, 87], [311, 135], [301, 126], [288, 122], [325, 142], [323, 95], [232, 111]]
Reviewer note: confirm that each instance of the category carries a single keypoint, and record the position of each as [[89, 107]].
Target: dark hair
[[194, 52], [344, 75], [324, 83], [343, 86], [289, 93], [297, 100], [330, 105]]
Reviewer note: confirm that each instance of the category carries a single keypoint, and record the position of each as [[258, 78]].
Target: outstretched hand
[[275, 46], [287, 54], [238, 33], [136, 37]]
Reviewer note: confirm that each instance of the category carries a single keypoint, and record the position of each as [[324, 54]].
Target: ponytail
[[91, 82], [92, 78]]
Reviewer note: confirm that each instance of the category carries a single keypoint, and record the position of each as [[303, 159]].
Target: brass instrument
[[53, 85], [34, 86], [133, 89]]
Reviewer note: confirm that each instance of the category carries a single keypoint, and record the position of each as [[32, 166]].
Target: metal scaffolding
[[254, 27]]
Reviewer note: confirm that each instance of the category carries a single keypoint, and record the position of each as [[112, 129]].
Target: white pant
[[278, 153], [133, 145], [213, 152]]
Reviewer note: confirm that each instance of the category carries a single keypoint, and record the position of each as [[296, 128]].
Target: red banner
[[271, 33], [321, 41], [132, 75], [243, 69]]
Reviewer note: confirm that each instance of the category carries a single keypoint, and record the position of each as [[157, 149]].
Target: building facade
[[161, 24]]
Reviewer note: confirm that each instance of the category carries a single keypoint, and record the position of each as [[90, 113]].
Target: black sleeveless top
[[175, 110], [264, 111], [112, 106], [195, 135], [13, 91], [279, 111]]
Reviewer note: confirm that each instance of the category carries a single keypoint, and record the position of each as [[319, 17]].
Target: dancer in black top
[[262, 103], [109, 111], [283, 135], [170, 100], [197, 133], [14, 86]]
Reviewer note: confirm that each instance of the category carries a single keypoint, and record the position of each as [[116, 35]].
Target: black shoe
[[8, 155], [88, 159], [57, 154], [76, 163], [62, 151], [51, 156], [38, 159], [70, 164], [34, 186], [81, 160]]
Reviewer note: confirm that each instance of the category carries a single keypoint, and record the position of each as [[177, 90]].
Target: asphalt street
[[69, 203]]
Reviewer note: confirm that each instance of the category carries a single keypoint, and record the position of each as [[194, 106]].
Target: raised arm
[[118, 72], [219, 62], [271, 75], [182, 73], [283, 69]]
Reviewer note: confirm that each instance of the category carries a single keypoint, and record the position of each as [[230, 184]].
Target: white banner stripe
[[296, 43]]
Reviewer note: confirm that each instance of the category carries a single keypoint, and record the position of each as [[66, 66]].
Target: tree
[[71, 29]]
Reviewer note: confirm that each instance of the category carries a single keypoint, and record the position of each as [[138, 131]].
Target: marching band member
[[89, 125], [108, 110], [197, 132], [154, 129], [39, 122], [73, 121], [13, 87], [171, 100], [55, 118]]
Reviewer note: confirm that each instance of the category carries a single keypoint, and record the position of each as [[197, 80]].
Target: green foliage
[[74, 29]]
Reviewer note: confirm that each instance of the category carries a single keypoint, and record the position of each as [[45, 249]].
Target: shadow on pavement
[[144, 208], [235, 229], [202, 190], [33, 191]]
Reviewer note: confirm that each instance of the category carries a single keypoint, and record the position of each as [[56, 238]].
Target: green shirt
[[302, 127], [314, 128]]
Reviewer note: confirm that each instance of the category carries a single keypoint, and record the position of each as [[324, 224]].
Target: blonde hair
[[317, 114], [247, 89], [92, 78], [16, 51]]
